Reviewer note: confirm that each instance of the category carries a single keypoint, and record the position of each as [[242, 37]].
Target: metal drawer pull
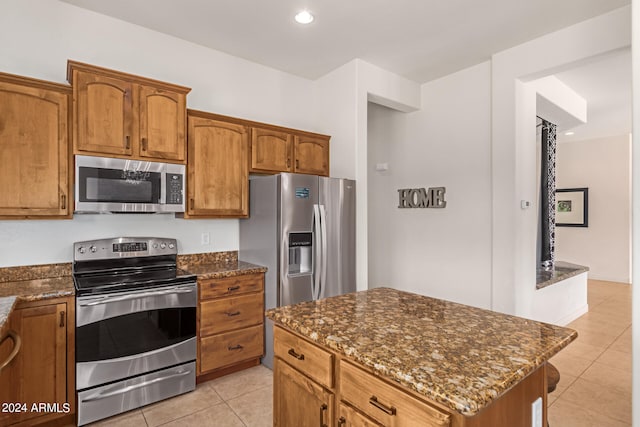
[[341, 421], [323, 409], [387, 409], [104, 395], [293, 353], [232, 314], [144, 144], [62, 319], [17, 343], [127, 142], [236, 347], [233, 288], [63, 201]]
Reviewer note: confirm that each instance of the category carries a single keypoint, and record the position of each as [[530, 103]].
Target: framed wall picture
[[572, 207]]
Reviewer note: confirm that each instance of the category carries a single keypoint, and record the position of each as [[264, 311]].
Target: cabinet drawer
[[309, 359], [384, 402], [229, 286], [231, 313], [232, 347]]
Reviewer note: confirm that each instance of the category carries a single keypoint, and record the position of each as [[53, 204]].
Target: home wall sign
[[422, 197]]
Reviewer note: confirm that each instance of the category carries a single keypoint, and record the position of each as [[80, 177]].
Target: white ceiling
[[419, 39]]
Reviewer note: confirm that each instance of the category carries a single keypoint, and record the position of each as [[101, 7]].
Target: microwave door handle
[[163, 188], [107, 300]]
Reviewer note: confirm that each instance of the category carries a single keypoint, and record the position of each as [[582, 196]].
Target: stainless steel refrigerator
[[302, 227]]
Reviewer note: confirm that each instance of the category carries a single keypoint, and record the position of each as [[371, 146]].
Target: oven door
[[125, 334]]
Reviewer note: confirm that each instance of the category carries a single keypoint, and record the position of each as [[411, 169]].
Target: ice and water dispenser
[[300, 250]]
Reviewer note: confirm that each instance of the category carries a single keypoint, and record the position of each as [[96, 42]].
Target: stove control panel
[[124, 247]]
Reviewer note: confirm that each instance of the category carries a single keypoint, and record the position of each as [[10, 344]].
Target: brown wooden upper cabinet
[[34, 148], [217, 168], [311, 154], [271, 151], [122, 115], [276, 149]]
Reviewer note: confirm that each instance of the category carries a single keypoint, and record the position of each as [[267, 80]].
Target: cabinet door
[[271, 151], [349, 417], [162, 124], [38, 374], [218, 169], [299, 401], [103, 116], [34, 151], [312, 155]]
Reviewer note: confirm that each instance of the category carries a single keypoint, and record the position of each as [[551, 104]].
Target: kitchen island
[[400, 359]]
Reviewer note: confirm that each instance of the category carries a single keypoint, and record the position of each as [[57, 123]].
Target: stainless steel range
[[135, 325]]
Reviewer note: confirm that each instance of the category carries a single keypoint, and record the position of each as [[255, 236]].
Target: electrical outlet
[[204, 238], [536, 413]]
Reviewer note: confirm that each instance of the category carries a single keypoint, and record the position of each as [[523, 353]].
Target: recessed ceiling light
[[304, 17], [569, 133]]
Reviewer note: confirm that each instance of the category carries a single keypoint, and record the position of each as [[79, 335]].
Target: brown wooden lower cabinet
[[315, 387], [38, 385], [299, 401], [230, 324]]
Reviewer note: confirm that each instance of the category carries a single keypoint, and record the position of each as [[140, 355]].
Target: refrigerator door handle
[[324, 248], [317, 260]]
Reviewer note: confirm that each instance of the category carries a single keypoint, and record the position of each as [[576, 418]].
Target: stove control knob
[[171, 246], [163, 245], [155, 246], [81, 249], [93, 249]]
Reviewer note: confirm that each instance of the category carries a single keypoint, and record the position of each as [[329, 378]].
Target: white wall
[[444, 253], [636, 213], [604, 166], [342, 98], [36, 39], [513, 144]]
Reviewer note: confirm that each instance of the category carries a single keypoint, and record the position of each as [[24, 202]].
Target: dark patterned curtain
[[547, 218]]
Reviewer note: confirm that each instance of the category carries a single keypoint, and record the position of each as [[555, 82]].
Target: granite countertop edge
[[13, 292], [562, 270], [462, 405]]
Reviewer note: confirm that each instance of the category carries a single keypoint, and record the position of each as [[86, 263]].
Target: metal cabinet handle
[[235, 347], [17, 343], [192, 204], [387, 409], [342, 421], [235, 313], [233, 288], [127, 142], [293, 353], [62, 319], [323, 409], [144, 144], [288, 162], [63, 201], [297, 164]]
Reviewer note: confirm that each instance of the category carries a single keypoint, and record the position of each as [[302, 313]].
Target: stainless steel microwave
[[109, 185]]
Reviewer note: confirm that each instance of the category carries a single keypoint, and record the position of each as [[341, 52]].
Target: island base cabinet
[[298, 401], [385, 403]]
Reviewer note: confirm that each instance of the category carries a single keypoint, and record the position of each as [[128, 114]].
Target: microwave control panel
[[175, 185]]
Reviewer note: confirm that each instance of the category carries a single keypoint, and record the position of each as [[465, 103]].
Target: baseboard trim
[[565, 320]]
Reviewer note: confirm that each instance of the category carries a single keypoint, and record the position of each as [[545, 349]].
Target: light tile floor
[[595, 370], [594, 388]]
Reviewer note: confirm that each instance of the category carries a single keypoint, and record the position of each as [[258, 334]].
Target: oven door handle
[[101, 395], [109, 299]]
